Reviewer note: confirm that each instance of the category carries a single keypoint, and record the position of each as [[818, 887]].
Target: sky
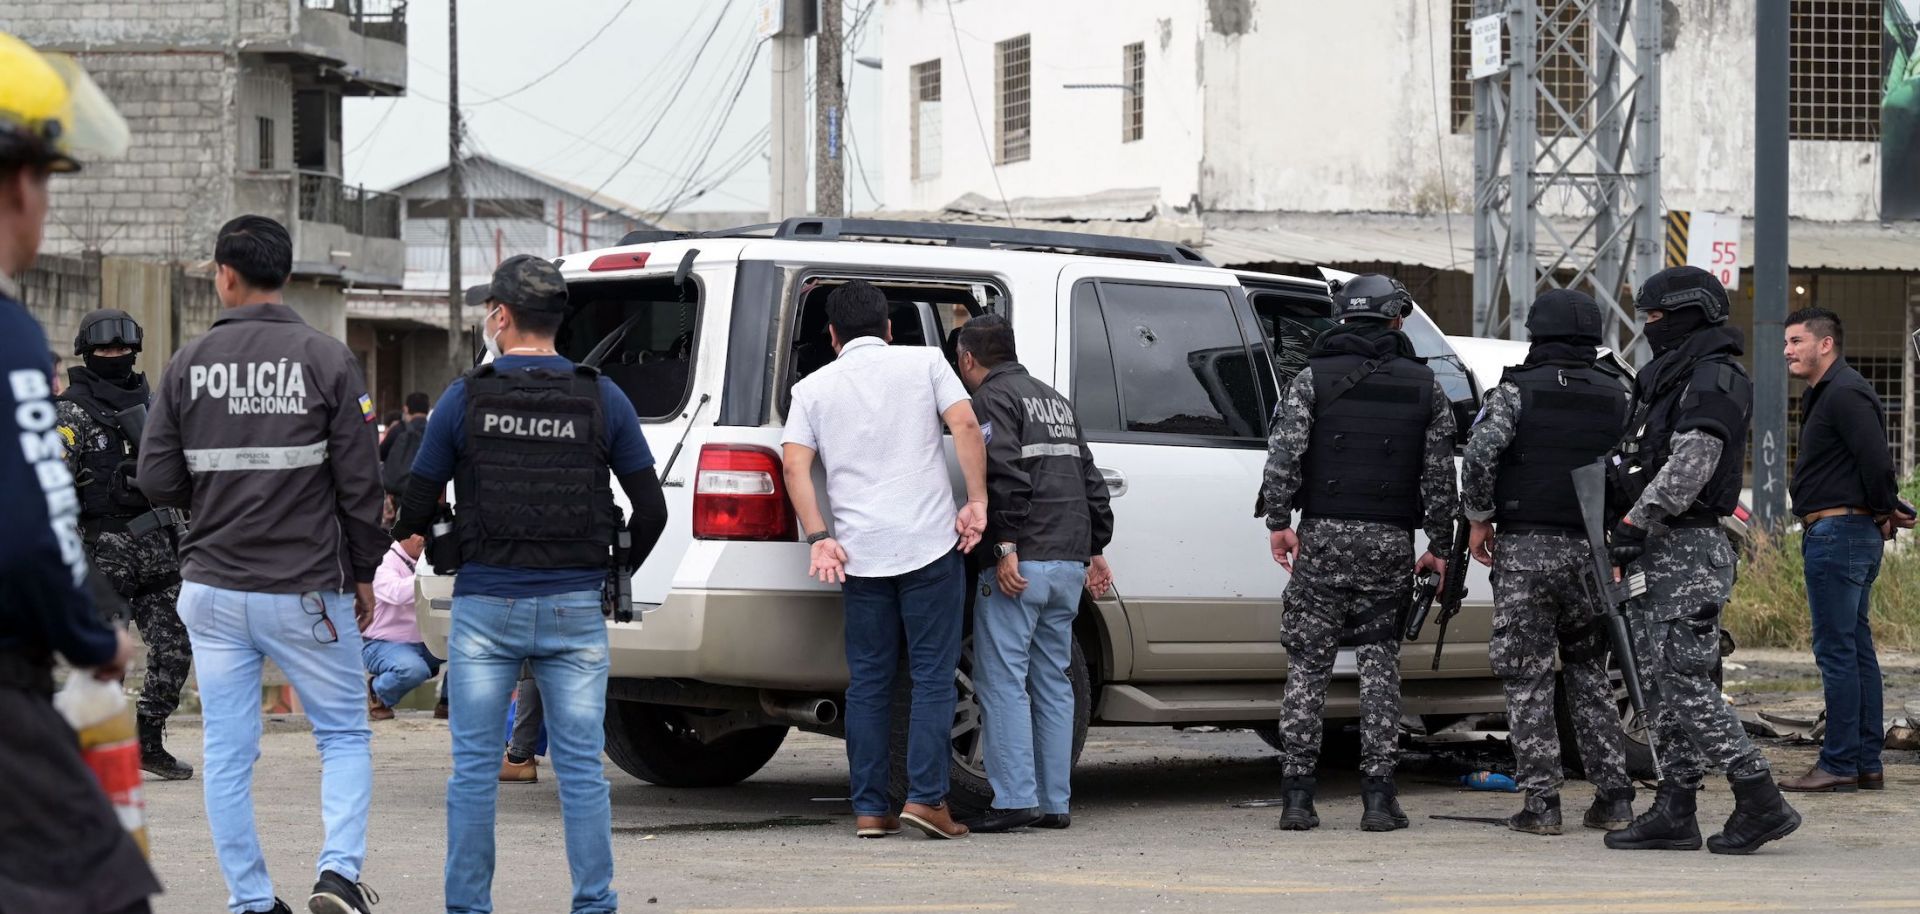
[[653, 87]]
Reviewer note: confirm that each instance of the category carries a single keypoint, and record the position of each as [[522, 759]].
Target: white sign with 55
[[1713, 244]]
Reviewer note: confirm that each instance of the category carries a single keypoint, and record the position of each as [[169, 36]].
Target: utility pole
[[787, 185], [1769, 446], [829, 116], [456, 192]]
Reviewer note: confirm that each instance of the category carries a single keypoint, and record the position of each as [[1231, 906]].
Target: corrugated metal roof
[[1333, 238]]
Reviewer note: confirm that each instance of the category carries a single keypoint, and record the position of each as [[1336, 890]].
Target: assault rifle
[[1453, 585], [1590, 487]]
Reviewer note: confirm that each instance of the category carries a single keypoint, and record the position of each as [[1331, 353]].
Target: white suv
[[1170, 364]]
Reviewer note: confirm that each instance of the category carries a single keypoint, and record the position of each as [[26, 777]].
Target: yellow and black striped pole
[[1679, 222]]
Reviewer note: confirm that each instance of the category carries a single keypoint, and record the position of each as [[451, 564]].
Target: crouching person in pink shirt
[[397, 661]]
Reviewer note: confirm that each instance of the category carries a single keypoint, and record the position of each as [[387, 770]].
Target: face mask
[[111, 368], [492, 339], [1668, 332]]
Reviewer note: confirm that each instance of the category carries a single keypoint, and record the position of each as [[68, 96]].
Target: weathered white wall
[[1279, 106], [1077, 146]]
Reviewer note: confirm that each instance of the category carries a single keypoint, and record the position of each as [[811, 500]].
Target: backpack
[[397, 469]]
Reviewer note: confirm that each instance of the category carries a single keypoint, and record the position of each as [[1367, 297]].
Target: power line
[[567, 60], [979, 125], [668, 107], [746, 75]]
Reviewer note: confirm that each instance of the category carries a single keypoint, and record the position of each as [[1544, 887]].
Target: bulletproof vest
[[1570, 415], [1713, 393], [532, 479], [103, 486], [1370, 421]]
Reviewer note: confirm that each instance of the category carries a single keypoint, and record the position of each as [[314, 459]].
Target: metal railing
[[326, 198], [382, 19]]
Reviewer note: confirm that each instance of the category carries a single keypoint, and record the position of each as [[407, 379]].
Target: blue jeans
[[565, 637], [312, 638], [397, 667], [918, 613], [1021, 648], [1842, 558]]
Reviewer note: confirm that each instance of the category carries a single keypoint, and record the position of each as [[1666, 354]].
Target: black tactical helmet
[[1684, 287], [1565, 314], [1372, 296], [106, 327]]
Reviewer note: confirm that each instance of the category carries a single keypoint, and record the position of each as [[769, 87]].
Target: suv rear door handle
[[1116, 481]]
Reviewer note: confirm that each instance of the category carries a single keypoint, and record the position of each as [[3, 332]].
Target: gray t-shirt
[[873, 416]]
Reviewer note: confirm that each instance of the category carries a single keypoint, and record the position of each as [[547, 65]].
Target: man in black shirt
[[1848, 504]]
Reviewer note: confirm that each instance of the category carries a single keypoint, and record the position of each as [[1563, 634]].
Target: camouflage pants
[[1348, 571], [1676, 632], [146, 572], [1541, 608]]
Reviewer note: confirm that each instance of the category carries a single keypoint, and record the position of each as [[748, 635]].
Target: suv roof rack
[[955, 234]]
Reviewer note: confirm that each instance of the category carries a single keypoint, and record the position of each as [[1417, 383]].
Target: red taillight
[[618, 262], [739, 494]]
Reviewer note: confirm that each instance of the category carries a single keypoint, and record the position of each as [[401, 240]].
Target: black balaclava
[[1670, 331], [117, 369]]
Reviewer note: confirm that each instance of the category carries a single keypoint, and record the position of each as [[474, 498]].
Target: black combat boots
[[1667, 825], [1760, 814], [1299, 814], [1545, 821], [1381, 806], [1612, 810], [154, 756]]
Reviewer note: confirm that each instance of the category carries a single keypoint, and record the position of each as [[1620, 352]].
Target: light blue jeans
[[397, 667], [1021, 648], [565, 637], [312, 638]]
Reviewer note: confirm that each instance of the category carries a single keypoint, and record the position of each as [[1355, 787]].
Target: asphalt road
[[1155, 828]]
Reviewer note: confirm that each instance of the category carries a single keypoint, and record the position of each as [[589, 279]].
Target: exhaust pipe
[[810, 711]]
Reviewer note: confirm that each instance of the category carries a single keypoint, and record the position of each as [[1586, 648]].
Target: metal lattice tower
[[1566, 160]]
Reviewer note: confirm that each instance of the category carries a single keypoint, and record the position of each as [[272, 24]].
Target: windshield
[[1429, 343]]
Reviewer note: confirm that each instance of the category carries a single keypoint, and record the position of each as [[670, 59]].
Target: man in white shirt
[[873, 417]]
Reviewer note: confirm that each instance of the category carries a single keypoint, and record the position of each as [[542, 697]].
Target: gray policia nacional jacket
[[262, 427], [1044, 493]]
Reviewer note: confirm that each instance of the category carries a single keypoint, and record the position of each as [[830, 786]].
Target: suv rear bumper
[[762, 639]]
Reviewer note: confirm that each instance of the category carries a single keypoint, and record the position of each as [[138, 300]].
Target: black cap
[[1565, 314], [523, 281]]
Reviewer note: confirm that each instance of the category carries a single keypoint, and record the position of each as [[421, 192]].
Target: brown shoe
[[932, 821], [1820, 780], [376, 709], [1873, 780], [440, 710], [512, 772], [876, 826]]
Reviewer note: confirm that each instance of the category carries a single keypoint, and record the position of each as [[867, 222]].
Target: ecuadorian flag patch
[[366, 408]]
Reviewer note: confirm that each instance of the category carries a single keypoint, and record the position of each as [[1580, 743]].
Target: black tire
[[968, 792], [1269, 733], [655, 744]]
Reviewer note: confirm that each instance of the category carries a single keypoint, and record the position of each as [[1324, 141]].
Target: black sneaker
[[1054, 820], [335, 894], [1003, 820]]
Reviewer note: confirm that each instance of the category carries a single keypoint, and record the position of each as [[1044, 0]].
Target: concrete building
[[509, 210], [235, 107], [1284, 135]]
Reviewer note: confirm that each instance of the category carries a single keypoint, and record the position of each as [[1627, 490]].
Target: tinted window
[[1430, 344], [1290, 324], [1095, 398], [653, 363], [1182, 365]]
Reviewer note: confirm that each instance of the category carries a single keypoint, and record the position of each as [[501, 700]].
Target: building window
[[1833, 70], [1133, 105], [1565, 52], [263, 143], [1013, 93], [924, 125]]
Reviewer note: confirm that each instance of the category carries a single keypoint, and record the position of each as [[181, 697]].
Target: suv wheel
[[969, 793], [659, 744]]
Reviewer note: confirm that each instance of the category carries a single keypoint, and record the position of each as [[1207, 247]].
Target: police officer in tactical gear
[[1680, 469], [1556, 411], [531, 442], [1362, 446], [133, 543]]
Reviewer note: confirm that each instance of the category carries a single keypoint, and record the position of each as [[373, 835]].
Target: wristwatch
[[817, 537], [1002, 550]]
